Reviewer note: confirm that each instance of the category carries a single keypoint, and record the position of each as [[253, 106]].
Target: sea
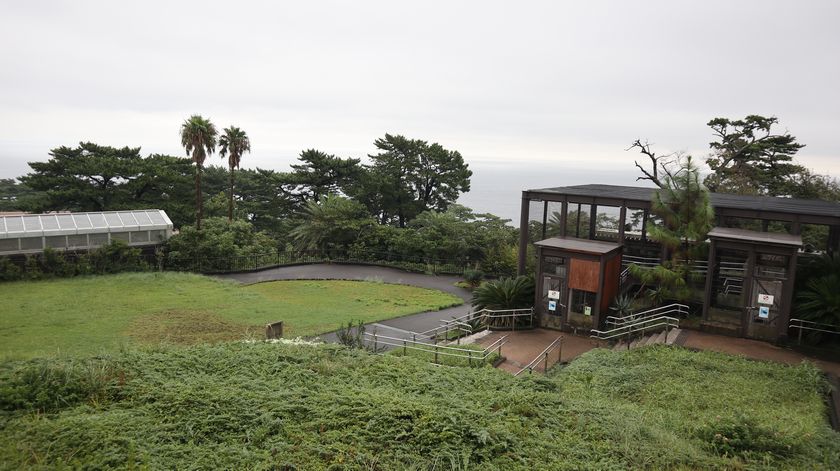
[[496, 187]]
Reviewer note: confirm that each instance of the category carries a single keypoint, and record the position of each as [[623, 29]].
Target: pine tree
[[685, 218]]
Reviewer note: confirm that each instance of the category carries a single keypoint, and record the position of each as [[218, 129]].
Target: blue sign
[[764, 312], [552, 305]]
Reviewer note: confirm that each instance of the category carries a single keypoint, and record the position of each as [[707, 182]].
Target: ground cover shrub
[[273, 405], [505, 293]]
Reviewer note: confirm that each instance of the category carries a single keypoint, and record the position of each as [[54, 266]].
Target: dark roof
[[776, 238], [718, 200], [579, 245]]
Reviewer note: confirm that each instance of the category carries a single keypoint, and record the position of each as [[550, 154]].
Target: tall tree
[[319, 174], [748, 157], [233, 142], [685, 218], [198, 136], [410, 176], [89, 177]]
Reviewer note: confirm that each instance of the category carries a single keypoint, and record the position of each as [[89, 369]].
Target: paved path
[[524, 345], [392, 327], [754, 349]]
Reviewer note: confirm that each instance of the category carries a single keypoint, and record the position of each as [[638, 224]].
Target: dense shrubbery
[[270, 406], [218, 241], [505, 293], [115, 257]]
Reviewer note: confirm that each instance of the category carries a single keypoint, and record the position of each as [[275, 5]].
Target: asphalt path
[[400, 327]]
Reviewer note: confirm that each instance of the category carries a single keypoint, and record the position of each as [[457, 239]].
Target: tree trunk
[[230, 202], [198, 201]]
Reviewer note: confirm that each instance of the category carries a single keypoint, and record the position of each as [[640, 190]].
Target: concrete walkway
[[754, 349], [524, 345], [396, 327]]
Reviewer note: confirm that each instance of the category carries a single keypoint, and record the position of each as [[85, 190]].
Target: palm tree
[[198, 136], [234, 142]]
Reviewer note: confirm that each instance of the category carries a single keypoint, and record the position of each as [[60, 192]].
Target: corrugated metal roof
[[718, 200], [732, 233], [36, 225], [579, 245]]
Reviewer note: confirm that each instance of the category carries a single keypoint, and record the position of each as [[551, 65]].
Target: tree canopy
[[409, 176], [749, 157]]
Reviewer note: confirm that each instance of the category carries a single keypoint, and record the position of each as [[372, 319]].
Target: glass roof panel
[[14, 224], [66, 221], [128, 219], [98, 220], [156, 217], [113, 219], [50, 222], [82, 221], [142, 218], [32, 223]]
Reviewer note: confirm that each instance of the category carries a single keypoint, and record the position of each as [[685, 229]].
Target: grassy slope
[[92, 314], [259, 406]]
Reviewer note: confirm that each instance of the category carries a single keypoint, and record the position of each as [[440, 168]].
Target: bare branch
[[653, 174]]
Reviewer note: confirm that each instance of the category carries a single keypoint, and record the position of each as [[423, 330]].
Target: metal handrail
[[641, 326], [812, 326], [681, 309], [407, 344], [558, 342]]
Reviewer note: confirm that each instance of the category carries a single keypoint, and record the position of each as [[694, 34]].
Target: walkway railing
[[641, 326], [672, 310], [811, 326], [543, 356], [378, 341]]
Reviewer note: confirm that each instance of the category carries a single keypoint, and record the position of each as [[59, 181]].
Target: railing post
[[405, 348], [560, 351], [436, 353], [469, 354], [545, 362], [799, 336], [667, 328], [375, 343]]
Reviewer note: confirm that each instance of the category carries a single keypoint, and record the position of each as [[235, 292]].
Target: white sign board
[[553, 294], [587, 310], [764, 312], [765, 299], [552, 305]]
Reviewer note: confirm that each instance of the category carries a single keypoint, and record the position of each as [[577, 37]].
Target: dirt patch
[[186, 328]]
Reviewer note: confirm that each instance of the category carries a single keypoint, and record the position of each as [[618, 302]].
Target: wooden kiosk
[[576, 280], [749, 286]]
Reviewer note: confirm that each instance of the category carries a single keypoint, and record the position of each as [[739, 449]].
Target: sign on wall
[[552, 305], [553, 294], [764, 312], [765, 299], [587, 311]]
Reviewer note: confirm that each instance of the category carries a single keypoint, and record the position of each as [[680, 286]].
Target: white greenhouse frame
[[32, 233]]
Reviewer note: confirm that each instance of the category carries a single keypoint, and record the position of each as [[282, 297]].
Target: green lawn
[[274, 406], [103, 313]]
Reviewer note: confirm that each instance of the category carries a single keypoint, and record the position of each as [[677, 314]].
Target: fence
[[211, 265]]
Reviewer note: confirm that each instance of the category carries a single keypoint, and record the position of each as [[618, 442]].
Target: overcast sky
[[557, 84]]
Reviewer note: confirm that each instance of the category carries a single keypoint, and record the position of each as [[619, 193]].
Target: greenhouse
[[32, 233]]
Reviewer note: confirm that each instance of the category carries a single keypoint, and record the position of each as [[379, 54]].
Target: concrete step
[[621, 345], [659, 338], [672, 336], [651, 339]]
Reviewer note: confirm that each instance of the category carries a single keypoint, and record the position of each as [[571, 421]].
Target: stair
[[650, 339]]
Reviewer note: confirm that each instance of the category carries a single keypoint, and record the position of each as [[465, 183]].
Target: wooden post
[[545, 362], [560, 351], [523, 234], [405, 348], [469, 354], [436, 353]]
